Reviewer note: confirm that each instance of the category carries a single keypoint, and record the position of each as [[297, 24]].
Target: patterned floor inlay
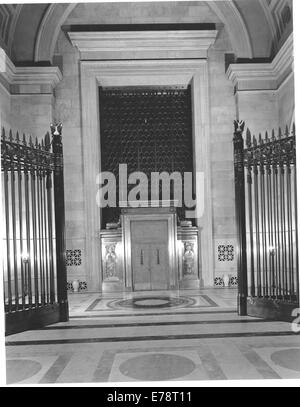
[[31, 368], [154, 336], [159, 367], [151, 302], [287, 358], [18, 370]]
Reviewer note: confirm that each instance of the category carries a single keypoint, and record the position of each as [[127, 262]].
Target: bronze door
[[150, 259], [159, 263], [141, 267]]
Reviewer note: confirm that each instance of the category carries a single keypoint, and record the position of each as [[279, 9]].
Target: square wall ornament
[[73, 257], [225, 256]]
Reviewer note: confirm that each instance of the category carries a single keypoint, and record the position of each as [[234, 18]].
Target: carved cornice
[[264, 76], [32, 79], [143, 44]]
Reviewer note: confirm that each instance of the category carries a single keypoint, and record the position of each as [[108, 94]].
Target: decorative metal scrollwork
[[280, 150], [17, 154]]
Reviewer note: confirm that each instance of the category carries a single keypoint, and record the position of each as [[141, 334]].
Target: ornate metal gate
[[34, 270], [266, 213]]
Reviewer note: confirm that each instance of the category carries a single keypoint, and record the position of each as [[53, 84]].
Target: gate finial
[[56, 129], [239, 126]]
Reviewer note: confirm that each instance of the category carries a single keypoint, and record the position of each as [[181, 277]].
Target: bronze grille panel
[[149, 129]]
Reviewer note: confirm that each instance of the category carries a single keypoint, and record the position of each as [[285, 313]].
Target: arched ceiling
[[256, 28]]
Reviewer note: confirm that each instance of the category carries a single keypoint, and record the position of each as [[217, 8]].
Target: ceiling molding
[[235, 26], [143, 44], [31, 79], [266, 76]]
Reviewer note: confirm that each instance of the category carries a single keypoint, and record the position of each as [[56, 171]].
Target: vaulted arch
[[235, 25], [38, 26], [49, 29]]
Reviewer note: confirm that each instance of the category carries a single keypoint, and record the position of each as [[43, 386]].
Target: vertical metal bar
[[270, 224], [284, 256], [257, 231], [59, 202], [40, 238], [296, 232], [50, 236], [250, 214], [14, 235], [276, 246], [7, 217], [34, 235], [28, 261], [21, 234], [4, 263], [277, 236], [264, 232], [42, 219], [290, 234], [46, 242], [240, 216]]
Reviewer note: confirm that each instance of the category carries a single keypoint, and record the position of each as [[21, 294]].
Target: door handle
[[142, 257], [157, 256]]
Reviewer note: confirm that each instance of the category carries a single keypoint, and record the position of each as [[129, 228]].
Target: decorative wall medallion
[[218, 282], [188, 258], [110, 262], [73, 257], [233, 281], [82, 285], [69, 286], [225, 252]]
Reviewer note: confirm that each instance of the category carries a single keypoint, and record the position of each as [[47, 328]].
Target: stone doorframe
[[185, 72]]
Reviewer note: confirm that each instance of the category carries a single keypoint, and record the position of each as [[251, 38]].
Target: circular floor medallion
[[157, 367], [18, 370], [288, 358], [152, 302]]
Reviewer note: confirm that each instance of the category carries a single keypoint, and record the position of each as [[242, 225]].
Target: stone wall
[[286, 103], [222, 114], [5, 108], [68, 111]]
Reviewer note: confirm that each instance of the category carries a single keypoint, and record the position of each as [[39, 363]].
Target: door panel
[[150, 260], [141, 267], [159, 266]]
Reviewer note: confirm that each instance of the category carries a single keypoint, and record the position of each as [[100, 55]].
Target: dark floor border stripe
[[137, 324], [209, 300], [56, 369], [231, 311], [93, 305], [150, 338]]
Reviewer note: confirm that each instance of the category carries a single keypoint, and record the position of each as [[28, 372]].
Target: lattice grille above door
[[149, 129]]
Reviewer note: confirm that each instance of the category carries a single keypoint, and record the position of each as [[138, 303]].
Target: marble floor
[[154, 336]]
